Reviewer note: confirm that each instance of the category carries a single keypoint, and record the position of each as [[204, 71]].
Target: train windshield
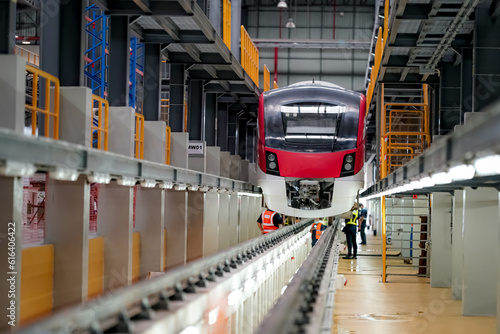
[[311, 119]]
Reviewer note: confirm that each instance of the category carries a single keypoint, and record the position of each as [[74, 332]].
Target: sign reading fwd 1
[[196, 147]]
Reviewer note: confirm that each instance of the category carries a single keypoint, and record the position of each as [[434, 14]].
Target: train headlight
[[272, 165], [348, 165]]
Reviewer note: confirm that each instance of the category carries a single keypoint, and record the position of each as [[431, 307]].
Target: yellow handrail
[[185, 116], [167, 145], [35, 108], [249, 56], [267, 79], [30, 57], [226, 28], [102, 128], [139, 136], [275, 85]]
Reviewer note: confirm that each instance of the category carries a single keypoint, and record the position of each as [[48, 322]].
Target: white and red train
[[311, 148]]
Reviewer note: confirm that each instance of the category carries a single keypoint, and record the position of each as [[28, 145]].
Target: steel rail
[[290, 314], [118, 307]]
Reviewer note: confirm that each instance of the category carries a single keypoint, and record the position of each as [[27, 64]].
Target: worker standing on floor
[[269, 221], [350, 230], [316, 229]]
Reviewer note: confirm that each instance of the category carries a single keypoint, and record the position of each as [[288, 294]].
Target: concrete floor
[[404, 305]]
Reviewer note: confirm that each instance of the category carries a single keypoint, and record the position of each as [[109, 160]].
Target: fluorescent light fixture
[[462, 172], [269, 268], [441, 178], [193, 187], [126, 181], [408, 187], [261, 275], [427, 182], [234, 297], [489, 165], [26, 42], [166, 185], [282, 4], [213, 315], [180, 187], [290, 24], [99, 178], [204, 188], [249, 284], [64, 174], [148, 183], [416, 185]]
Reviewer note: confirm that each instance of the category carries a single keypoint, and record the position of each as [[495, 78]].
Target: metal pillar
[[449, 110], [11, 224], [215, 16], [222, 127], [7, 26], [232, 133], [466, 83], [457, 246], [195, 111], [441, 257], [152, 87], [242, 138], [176, 208], [71, 42], [176, 104], [235, 27], [210, 112], [67, 216], [486, 82], [119, 58], [195, 217]]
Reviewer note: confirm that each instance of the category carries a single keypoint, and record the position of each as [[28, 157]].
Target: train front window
[[311, 123]]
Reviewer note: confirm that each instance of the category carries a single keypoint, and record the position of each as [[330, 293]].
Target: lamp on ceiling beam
[[290, 24], [282, 4]]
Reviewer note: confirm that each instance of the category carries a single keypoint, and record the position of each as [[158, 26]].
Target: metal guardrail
[[267, 79], [249, 56], [168, 142], [226, 21], [50, 110], [139, 136], [116, 309], [101, 130], [31, 57], [291, 312]]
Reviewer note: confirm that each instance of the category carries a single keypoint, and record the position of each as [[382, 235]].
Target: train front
[[311, 149]]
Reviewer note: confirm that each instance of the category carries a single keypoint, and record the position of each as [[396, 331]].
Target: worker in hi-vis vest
[[316, 229], [269, 221], [350, 229]]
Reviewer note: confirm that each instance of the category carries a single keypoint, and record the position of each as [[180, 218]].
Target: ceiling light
[[489, 165], [282, 4], [441, 178], [166, 185], [180, 187], [290, 23], [427, 182], [126, 181], [462, 172], [193, 187], [147, 183]]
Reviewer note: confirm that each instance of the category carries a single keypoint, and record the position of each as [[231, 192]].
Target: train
[[311, 148]]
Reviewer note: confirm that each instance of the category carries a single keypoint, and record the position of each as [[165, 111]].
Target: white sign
[[196, 147]]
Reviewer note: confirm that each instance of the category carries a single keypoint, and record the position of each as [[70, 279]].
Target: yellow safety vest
[[354, 216]]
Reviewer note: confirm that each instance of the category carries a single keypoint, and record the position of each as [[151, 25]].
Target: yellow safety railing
[[249, 56], [267, 79], [101, 130], [139, 136], [164, 108], [379, 49], [31, 57], [185, 116], [226, 19], [409, 136], [50, 110], [275, 85], [167, 145]]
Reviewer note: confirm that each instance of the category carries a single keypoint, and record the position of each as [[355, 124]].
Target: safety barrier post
[[226, 14], [267, 79], [100, 127], [275, 85], [167, 144], [139, 136], [35, 107]]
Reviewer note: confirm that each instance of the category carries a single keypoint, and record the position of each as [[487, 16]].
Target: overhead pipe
[[276, 49]]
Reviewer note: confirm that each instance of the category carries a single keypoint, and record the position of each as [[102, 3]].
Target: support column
[[466, 83], [242, 138], [210, 113], [176, 103], [49, 37], [215, 16], [13, 92], [122, 131], [119, 65], [152, 86], [224, 232], [195, 111], [154, 141], [72, 43], [243, 235], [75, 119], [457, 246], [234, 219], [7, 26], [11, 224], [195, 218], [67, 209], [115, 224], [481, 251], [176, 209], [449, 111], [235, 28], [441, 256], [210, 224], [150, 222], [222, 130]]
